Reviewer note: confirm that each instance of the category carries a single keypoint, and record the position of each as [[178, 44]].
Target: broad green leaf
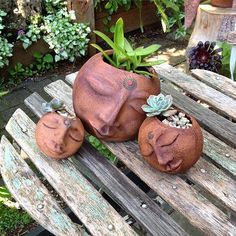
[[152, 63], [142, 72], [146, 51], [48, 58], [119, 33], [128, 46], [104, 54]]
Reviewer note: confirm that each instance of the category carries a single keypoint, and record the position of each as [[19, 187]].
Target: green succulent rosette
[[157, 104]]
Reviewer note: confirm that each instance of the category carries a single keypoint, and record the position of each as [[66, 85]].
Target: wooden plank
[[83, 199], [58, 86], [127, 194], [216, 81], [215, 181], [226, 105], [182, 197], [32, 195], [209, 120], [122, 190], [220, 152]]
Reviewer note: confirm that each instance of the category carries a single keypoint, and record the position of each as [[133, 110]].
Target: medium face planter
[[108, 100], [170, 149], [222, 3], [59, 137]]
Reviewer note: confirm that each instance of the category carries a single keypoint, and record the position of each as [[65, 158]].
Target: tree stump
[[213, 24]]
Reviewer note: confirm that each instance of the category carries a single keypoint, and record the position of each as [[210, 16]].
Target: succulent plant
[[52, 106], [205, 56], [157, 104]]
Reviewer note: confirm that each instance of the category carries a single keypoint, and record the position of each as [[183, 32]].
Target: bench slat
[[127, 194], [83, 199], [216, 81], [209, 120], [207, 175], [219, 152], [218, 100], [122, 190], [182, 197], [213, 211], [28, 190]]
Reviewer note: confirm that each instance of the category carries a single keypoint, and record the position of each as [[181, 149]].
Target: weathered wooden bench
[[205, 195]]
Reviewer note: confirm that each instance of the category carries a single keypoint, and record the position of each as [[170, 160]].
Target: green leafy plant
[[20, 72], [172, 14], [32, 35], [43, 62], [68, 40], [124, 56], [5, 46], [12, 218], [101, 148], [112, 7], [157, 105], [226, 56]]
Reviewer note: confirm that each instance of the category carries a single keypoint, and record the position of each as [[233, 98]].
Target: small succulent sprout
[[157, 104], [54, 105]]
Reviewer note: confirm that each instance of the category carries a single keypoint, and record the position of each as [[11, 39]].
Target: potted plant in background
[[169, 140], [112, 86]]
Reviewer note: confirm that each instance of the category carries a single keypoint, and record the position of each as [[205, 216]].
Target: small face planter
[[108, 100], [59, 136], [167, 148]]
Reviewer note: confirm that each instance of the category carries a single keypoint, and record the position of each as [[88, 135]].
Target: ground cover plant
[[67, 40]]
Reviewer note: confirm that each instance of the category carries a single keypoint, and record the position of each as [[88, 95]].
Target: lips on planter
[[169, 149], [59, 137], [108, 100]]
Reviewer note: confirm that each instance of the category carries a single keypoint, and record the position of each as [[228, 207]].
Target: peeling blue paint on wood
[[59, 220]]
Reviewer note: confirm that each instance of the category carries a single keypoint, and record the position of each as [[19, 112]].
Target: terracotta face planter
[[222, 3], [108, 100], [59, 137], [170, 149]]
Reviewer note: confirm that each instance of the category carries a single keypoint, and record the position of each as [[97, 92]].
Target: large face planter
[[58, 136], [108, 100], [170, 149]]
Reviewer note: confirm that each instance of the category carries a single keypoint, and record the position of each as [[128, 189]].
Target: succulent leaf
[[157, 104], [52, 106]]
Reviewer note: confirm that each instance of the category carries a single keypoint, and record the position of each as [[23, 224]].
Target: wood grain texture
[[209, 120], [182, 197], [83, 199], [120, 188], [212, 24], [218, 151], [196, 201], [215, 181], [127, 194], [216, 81], [198, 89], [28, 190]]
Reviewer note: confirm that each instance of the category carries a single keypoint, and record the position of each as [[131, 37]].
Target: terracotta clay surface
[[108, 100], [169, 149], [222, 3], [58, 136]]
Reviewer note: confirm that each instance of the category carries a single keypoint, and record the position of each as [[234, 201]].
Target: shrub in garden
[[5, 46]]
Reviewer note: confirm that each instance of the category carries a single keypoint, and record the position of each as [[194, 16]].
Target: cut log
[[213, 24]]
